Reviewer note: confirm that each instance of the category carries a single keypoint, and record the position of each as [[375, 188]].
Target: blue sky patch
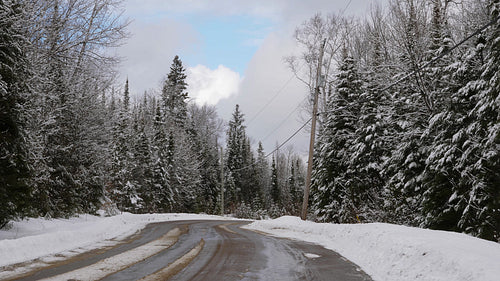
[[230, 40]]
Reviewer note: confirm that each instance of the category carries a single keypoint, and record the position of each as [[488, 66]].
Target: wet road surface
[[204, 250]]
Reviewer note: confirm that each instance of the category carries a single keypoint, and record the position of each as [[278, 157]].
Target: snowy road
[[205, 250]]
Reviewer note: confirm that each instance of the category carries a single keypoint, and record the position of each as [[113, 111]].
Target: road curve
[[205, 250]]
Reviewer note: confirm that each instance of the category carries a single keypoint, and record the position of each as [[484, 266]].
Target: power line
[[276, 149], [273, 98], [384, 89], [279, 92], [290, 137], [446, 52], [284, 120], [346, 7]]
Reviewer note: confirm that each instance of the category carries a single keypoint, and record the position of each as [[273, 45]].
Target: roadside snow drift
[[384, 251], [36, 238], [391, 252]]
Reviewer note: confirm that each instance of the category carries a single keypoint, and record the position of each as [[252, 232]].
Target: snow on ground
[[391, 252], [384, 251], [36, 238]]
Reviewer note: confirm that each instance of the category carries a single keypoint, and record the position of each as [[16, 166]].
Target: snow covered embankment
[[391, 252], [40, 238]]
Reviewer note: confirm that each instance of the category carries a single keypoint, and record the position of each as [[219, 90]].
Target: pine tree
[[275, 190], [163, 195], [249, 185], [442, 194], [335, 193], [204, 132], [263, 177], [123, 191], [174, 94], [14, 172], [234, 155], [126, 98], [184, 172], [61, 187], [412, 107], [295, 183], [141, 171], [481, 216]]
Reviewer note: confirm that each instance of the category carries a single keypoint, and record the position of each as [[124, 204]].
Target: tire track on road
[[177, 266], [123, 260]]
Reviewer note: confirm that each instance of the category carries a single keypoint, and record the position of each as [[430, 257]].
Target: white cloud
[[148, 54], [209, 86], [162, 30], [269, 93]]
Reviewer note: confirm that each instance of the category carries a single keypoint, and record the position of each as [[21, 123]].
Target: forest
[[408, 125], [74, 140]]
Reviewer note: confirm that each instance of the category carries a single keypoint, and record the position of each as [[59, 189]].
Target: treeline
[[168, 155], [54, 70], [254, 186], [401, 140], [70, 143]]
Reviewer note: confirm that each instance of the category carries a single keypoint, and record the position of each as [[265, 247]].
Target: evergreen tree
[[275, 190], [249, 185], [174, 95], [184, 171], [204, 130], [142, 167], [163, 195], [123, 191], [126, 98], [263, 177], [444, 193], [295, 183], [412, 108], [481, 215], [14, 172], [335, 193], [234, 155], [60, 186]]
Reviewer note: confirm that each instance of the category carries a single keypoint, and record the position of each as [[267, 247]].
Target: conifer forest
[[408, 122]]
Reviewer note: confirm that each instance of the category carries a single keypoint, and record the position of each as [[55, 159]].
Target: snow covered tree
[[336, 195], [481, 216], [441, 202], [126, 98], [275, 189], [411, 108], [163, 195], [70, 70], [234, 154], [14, 172], [123, 191], [296, 183], [204, 129], [174, 95], [141, 170], [263, 176], [249, 184]]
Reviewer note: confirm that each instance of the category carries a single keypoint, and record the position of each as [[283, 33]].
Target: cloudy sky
[[233, 52]]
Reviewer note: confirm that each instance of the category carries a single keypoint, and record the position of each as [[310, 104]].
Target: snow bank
[[391, 252], [35, 238]]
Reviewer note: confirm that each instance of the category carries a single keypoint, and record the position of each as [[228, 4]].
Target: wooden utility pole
[[303, 215], [221, 182]]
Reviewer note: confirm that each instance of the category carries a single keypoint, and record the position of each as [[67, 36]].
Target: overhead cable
[[446, 52]]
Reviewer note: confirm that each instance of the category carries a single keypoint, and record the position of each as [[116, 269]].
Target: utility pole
[[222, 182], [303, 215]]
